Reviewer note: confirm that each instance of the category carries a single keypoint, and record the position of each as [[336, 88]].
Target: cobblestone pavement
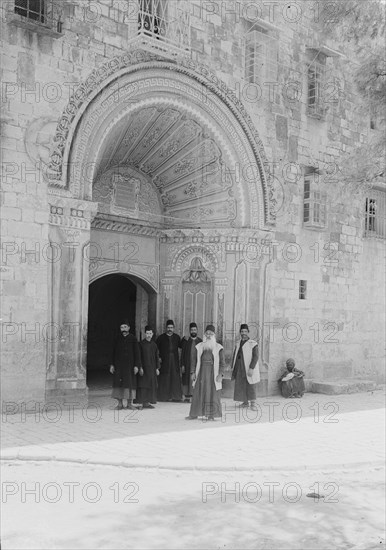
[[318, 431]]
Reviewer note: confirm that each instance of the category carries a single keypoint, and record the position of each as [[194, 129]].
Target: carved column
[[69, 235]]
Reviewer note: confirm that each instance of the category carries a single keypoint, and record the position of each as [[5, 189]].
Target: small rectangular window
[[316, 84], [375, 214], [302, 290], [260, 56], [314, 202]]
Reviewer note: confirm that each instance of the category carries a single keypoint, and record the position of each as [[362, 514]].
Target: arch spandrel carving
[[183, 258], [196, 85]]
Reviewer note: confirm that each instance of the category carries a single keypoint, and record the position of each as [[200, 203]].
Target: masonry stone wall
[[338, 331]]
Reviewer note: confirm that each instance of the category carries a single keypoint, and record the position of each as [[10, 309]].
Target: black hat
[[148, 327], [211, 328], [124, 321], [244, 325], [170, 322], [192, 325]]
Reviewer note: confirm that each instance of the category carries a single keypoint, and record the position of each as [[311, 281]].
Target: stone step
[[337, 387]]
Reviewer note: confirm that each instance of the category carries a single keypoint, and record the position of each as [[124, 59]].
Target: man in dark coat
[[169, 380], [125, 363], [188, 360], [245, 369], [147, 377]]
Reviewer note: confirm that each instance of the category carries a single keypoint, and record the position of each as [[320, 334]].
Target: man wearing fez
[[188, 360], [169, 381], [148, 372], [207, 378], [125, 364], [245, 369]]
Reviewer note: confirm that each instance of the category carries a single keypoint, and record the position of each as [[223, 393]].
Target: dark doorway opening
[[111, 300]]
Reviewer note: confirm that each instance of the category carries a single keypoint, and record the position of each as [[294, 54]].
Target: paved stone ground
[[317, 431], [154, 480]]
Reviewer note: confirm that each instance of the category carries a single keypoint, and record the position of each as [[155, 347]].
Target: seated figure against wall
[[291, 383]]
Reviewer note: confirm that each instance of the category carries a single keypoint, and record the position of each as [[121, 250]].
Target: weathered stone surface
[[338, 331]]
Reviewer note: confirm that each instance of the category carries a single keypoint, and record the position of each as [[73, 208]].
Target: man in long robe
[[169, 380], [147, 376], [125, 364], [245, 369], [291, 383], [188, 360], [207, 378]]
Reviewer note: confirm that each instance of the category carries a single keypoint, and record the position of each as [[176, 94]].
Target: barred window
[[167, 22], [314, 203], [375, 213], [316, 85], [261, 56], [32, 9], [152, 16], [41, 16], [323, 88]]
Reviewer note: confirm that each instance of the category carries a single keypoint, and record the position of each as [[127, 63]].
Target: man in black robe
[[188, 360], [125, 363], [147, 377], [169, 380]]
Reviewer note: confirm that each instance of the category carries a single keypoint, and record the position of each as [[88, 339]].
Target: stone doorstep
[[337, 387]]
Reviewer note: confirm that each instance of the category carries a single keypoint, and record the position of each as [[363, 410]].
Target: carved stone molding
[[183, 257], [71, 213], [99, 267]]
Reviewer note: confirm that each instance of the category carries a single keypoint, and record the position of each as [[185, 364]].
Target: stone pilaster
[[69, 235]]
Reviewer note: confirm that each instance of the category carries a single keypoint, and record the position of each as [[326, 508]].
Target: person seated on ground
[[291, 383]]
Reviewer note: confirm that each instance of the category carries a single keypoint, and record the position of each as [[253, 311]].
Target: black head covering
[[148, 327], [210, 327], [244, 325], [193, 325], [170, 322]]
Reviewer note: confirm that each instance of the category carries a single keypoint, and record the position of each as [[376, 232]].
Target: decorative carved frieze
[[71, 213], [99, 267]]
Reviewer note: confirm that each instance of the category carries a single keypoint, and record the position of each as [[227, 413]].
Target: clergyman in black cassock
[[169, 380], [147, 376], [188, 360], [125, 363]]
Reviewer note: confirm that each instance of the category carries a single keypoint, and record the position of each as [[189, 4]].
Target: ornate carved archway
[[138, 80]]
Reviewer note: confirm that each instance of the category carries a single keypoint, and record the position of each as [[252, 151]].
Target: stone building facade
[[170, 159]]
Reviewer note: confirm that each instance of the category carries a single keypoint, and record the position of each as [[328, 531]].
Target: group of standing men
[[152, 371]]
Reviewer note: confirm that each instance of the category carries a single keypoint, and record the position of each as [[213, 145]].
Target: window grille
[[261, 56], [167, 22], [375, 214], [32, 9], [314, 204], [37, 14], [316, 86]]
